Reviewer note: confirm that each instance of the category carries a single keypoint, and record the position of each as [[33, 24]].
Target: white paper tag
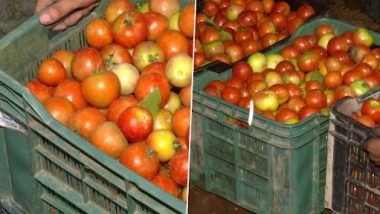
[[251, 112], [8, 122]]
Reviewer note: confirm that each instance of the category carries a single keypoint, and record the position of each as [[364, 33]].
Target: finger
[[41, 4], [61, 8], [74, 18], [374, 158], [376, 131]]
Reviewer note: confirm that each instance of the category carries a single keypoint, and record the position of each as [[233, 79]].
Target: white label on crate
[[251, 112], [8, 122]]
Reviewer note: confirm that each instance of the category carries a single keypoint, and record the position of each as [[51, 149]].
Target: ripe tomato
[[155, 67], [281, 92], [59, 108], [108, 138], [289, 52], [296, 104], [212, 90], [145, 53], [179, 167], [294, 90], [241, 70], [147, 83], [316, 98], [301, 44], [285, 114], [234, 83], [281, 7], [119, 105], [266, 27], [307, 111], [181, 121], [163, 143], [235, 52], [129, 29], [209, 35], [40, 90], [294, 24], [350, 76], [51, 72], [308, 61], [172, 42], [71, 90], [364, 68], [156, 23], [269, 39], [305, 11], [251, 46], [185, 95], [332, 79], [210, 8], [186, 20], [85, 120], [247, 18], [85, 62], [343, 91], [166, 183], [101, 89], [136, 123], [371, 108], [141, 159], [115, 8], [231, 95], [98, 33], [284, 66], [373, 81], [115, 54], [365, 120], [337, 43], [65, 57], [163, 120], [323, 29]]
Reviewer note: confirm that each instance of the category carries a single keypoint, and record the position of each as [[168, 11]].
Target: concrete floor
[[14, 12]]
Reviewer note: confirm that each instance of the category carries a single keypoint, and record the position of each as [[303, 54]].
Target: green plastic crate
[[47, 168], [270, 167]]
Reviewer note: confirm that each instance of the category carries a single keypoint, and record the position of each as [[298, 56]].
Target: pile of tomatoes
[[306, 78], [128, 92], [369, 114], [229, 30]]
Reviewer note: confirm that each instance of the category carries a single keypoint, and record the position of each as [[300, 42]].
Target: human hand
[[54, 10], [373, 147]]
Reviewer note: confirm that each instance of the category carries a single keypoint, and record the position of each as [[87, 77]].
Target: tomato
[[330, 98], [186, 20], [266, 27], [166, 183], [211, 89], [98, 33], [316, 99], [281, 91], [115, 54], [376, 52], [147, 83], [174, 102], [269, 39], [256, 86], [350, 76], [371, 108], [284, 66], [285, 114], [71, 90], [181, 121], [242, 35], [172, 42], [155, 67], [281, 7], [234, 83], [241, 70], [85, 120], [296, 104], [129, 29], [136, 123], [313, 40], [221, 57], [119, 105], [294, 91], [145, 53], [65, 57], [358, 52], [307, 111], [247, 18], [179, 167], [371, 60], [337, 43], [199, 60], [255, 5], [185, 95], [163, 143], [115, 8], [372, 80], [305, 11], [156, 24], [85, 62], [59, 108], [333, 64], [293, 24], [210, 8], [51, 72], [101, 89], [308, 61], [251, 46], [231, 95], [365, 120], [235, 52], [40, 90], [234, 25], [332, 79], [220, 19], [163, 120], [342, 56], [313, 84], [289, 52], [343, 91], [301, 44], [220, 86], [279, 19], [108, 138], [179, 70], [141, 159], [324, 29], [364, 69]]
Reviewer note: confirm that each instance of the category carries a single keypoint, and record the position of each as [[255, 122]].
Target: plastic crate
[[270, 167], [47, 168], [320, 11], [373, 7], [355, 179]]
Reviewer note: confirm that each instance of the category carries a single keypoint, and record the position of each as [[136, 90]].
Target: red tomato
[[40, 90], [364, 69], [281, 7], [234, 83], [101, 89], [212, 90], [308, 61], [289, 52], [59, 108], [294, 24], [241, 70], [156, 23], [71, 90], [136, 123], [281, 92], [279, 19], [269, 39], [284, 114], [186, 20], [172, 42], [147, 83], [129, 29], [305, 11], [294, 90], [235, 52], [115, 8], [231, 95], [98, 33], [307, 111], [85, 121], [210, 8], [332, 79], [337, 43], [65, 57], [220, 86], [247, 18], [51, 72], [141, 159], [312, 85], [119, 105], [199, 60], [85, 62], [350, 76], [316, 98], [115, 54], [323, 29], [266, 27], [365, 120], [242, 35], [255, 5], [251, 46], [301, 44], [179, 167], [296, 104], [371, 108], [343, 91], [166, 183], [373, 81], [284, 66]]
